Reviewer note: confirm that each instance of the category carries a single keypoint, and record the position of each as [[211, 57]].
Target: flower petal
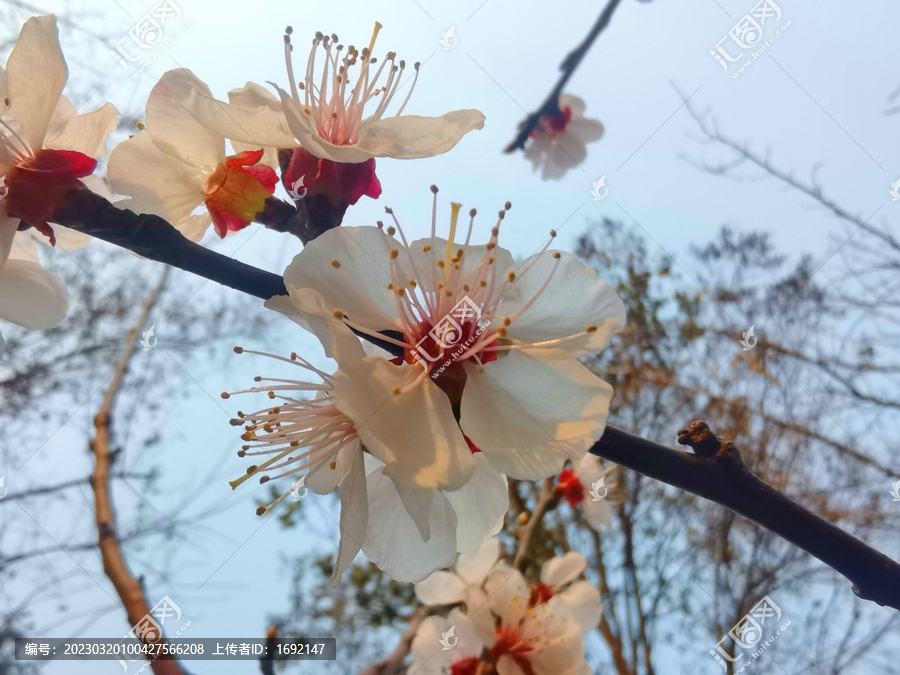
[[481, 505], [85, 133], [174, 129], [354, 514], [475, 567], [8, 228], [156, 182], [441, 588], [582, 602], [359, 285], [532, 409], [507, 593], [393, 542], [415, 430], [575, 299], [557, 572], [248, 119], [36, 75], [30, 296], [414, 137]]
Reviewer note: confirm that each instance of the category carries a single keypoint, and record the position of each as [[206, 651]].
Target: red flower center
[[554, 125], [38, 185], [540, 593], [465, 666], [570, 487], [511, 643]]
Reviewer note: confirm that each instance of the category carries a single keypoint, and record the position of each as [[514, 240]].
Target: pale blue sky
[[823, 103]]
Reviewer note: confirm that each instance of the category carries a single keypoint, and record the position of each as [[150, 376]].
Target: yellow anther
[[590, 329], [335, 264], [338, 314], [394, 253]]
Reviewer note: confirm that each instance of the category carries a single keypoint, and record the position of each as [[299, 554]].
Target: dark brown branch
[[717, 473], [550, 106], [152, 237]]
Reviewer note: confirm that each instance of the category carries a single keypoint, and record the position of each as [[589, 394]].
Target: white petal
[[416, 500], [474, 567], [597, 514], [8, 228], [174, 129], [414, 430], [582, 601], [507, 593], [481, 505], [156, 182], [245, 121], [584, 130], [575, 299], [324, 479], [306, 308], [422, 261], [354, 515], [441, 588], [563, 650], [359, 287], [30, 296], [573, 103], [532, 409], [36, 74], [393, 542], [85, 133], [429, 656], [557, 572], [413, 137]]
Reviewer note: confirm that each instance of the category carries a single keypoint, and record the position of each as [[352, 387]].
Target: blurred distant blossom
[[560, 141]]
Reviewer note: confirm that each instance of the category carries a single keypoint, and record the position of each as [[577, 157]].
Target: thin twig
[[545, 501], [127, 587], [393, 663], [550, 106]]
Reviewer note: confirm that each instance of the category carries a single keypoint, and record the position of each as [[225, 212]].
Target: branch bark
[[129, 589], [152, 237], [550, 106], [716, 472]]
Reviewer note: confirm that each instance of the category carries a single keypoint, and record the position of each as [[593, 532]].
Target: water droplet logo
[[748, 341], [599, 190], [298, 190], [449, 39], [148, 339], [4, 190], [449, 639], [595, 489]]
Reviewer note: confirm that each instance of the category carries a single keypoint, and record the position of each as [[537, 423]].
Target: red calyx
[[341, 182], [237, 190], [38, 186], [540, 593], [570, 487]]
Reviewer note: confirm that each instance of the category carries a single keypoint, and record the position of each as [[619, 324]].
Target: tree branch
[[716, 472], [152, 237], [127, 587], [550, 106], [393, 663]]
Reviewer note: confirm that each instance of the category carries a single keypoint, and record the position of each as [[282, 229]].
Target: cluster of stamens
[[427, 293], [336, 109], [298, 435]]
